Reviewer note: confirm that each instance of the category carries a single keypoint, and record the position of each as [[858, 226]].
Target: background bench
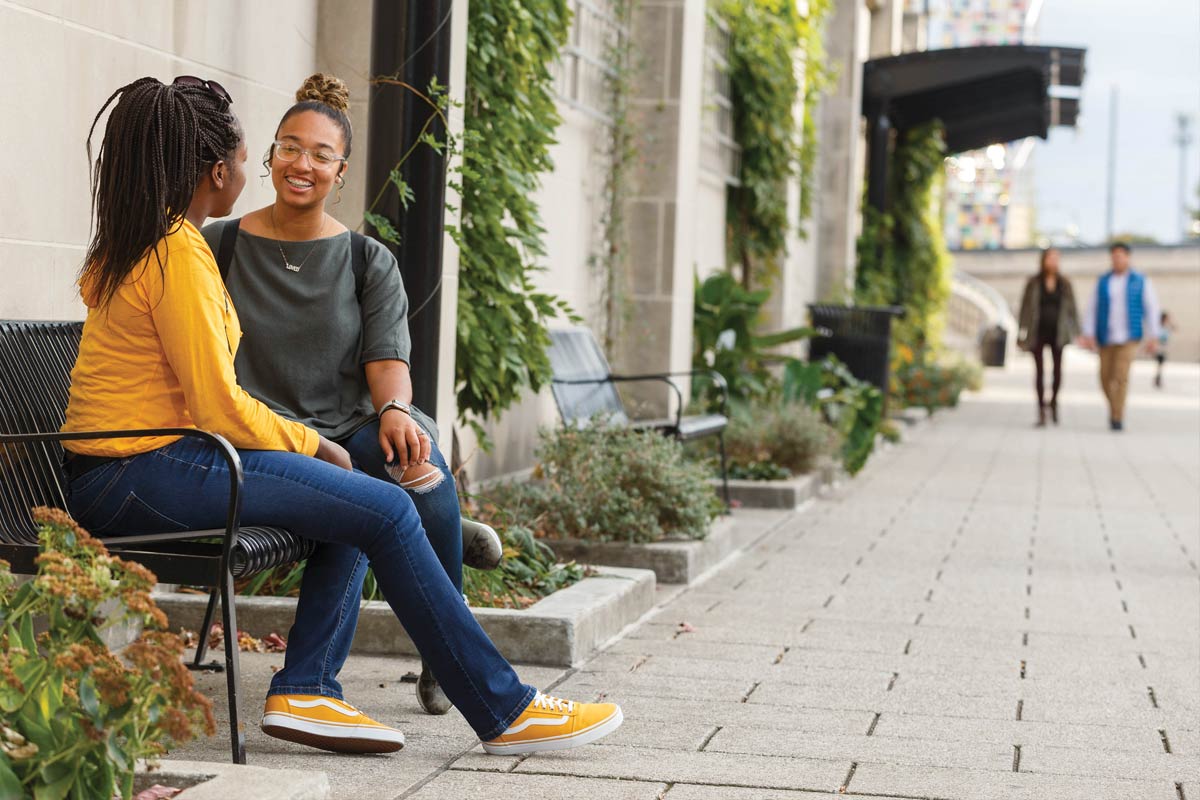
[[584, 387]]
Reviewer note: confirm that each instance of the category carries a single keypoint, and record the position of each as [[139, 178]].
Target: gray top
[[305, 337]]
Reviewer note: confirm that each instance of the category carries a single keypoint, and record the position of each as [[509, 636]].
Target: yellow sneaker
[[327, 723], [552, 724]]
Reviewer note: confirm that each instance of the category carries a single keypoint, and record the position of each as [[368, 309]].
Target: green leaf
[[26, 635], [89, 701], [10, 784], [383, 226]]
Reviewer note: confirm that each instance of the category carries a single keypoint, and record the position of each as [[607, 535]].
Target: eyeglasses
[[288, 152], [200, 83]]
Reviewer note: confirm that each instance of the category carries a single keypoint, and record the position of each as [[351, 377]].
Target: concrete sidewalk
[[989, 611]]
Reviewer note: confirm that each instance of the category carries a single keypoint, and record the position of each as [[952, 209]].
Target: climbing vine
[[767, 37], [618, 151], [902, 256], [510, 121]]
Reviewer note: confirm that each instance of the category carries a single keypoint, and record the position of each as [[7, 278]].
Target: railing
[[975, 307], [586, 67], [720, 154]]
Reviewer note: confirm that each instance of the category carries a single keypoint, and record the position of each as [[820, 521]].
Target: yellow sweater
[[160, 355]]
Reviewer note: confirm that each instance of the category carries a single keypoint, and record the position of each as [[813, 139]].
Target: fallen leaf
[[687, 627], [157, 792], [275, 643]]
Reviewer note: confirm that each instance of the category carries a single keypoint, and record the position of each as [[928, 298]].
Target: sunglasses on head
[[212, 86]]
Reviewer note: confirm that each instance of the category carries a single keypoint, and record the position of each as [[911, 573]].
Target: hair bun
[[325, 89]]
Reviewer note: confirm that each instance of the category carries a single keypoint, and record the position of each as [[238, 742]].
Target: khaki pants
[[1115, 360]]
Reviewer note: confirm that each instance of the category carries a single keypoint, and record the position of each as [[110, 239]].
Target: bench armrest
[[226, 450], [663, 377], [716, 377]]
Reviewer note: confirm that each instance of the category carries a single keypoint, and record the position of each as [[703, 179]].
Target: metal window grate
[[720, 154], [585, 69]]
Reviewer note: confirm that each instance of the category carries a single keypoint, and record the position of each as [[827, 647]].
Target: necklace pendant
[[291, 266]]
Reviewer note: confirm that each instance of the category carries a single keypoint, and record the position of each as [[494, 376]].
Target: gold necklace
[[279, 244]]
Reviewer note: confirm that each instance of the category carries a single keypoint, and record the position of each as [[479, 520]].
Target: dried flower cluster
[[76, 716]]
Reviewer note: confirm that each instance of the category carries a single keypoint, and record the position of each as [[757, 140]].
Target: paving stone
[[862, 748], [1051, 760], [960, 784], [729, 769], [459, 785], [690, 791]]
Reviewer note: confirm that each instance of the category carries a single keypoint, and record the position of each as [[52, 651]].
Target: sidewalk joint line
[[1142, 661], [892, 682], [1016, 758], [782, 653], [1179, 791], [709, 738], [746, 696], [1153, 699], [1022, 669], [1020, 708], [849, 775], [663, 793], [907, 647], [1166, 743], [874, 722]]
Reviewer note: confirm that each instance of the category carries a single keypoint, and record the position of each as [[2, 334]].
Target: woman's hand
[[402, 440], [333, 453]]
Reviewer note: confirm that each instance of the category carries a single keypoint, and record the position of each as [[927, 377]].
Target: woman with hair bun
[[158, 351], [326, 343]]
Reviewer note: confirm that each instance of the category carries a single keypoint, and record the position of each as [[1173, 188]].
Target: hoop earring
[[341, 184]]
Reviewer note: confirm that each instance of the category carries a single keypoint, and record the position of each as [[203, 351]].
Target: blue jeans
[[185, 486], [331, 589]]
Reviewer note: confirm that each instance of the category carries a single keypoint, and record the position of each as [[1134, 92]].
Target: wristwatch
[[396, 404]]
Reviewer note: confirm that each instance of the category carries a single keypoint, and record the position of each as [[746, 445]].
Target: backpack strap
[[225, 247], [358, 261]]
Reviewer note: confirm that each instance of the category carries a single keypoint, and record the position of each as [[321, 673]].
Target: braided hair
[[158, 142]]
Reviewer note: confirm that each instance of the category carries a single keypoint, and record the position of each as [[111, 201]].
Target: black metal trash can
[[993, 345], [860, 337]]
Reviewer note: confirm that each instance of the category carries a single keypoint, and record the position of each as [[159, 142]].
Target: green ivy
[[510, 120], [902, 256], [766, 39]]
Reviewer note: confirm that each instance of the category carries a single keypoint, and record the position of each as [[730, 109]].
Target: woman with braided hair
[[158, 351], [326, 343]]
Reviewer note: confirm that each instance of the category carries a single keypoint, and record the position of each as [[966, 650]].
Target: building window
[[720, 154], [586, 65]]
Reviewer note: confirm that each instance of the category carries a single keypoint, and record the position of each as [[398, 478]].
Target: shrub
[[611, 484], [768, 441], [77, 717], [924, 380], [528, 572], [852, 406]]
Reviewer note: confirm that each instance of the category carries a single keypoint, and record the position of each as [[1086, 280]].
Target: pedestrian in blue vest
[[1123, 313]]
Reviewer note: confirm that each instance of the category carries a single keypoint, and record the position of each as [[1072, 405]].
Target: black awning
[[983, 95]]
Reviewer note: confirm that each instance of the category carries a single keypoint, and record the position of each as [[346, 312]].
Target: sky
[[1149, 50]]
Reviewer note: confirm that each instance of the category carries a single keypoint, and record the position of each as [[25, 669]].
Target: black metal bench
[[584, 387], [35, 375]]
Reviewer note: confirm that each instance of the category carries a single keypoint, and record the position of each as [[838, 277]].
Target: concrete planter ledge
[[785, 494], [212, 781], [680, 561], [561, 630]]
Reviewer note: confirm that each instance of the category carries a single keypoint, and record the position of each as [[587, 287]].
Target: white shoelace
[[552, 703]]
